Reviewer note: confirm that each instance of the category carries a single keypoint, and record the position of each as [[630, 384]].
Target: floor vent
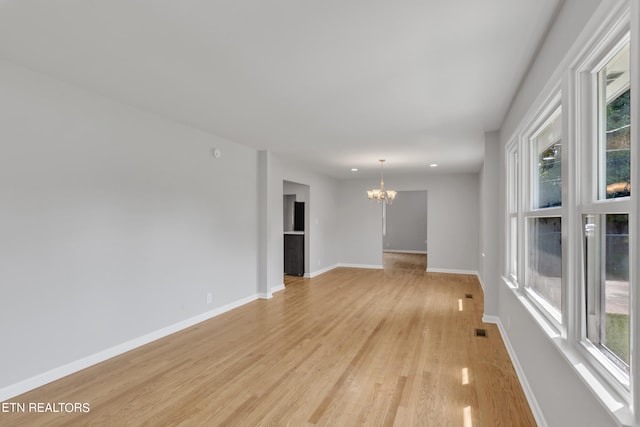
[[468, 296], [481, 333]]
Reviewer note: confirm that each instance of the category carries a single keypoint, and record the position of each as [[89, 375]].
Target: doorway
[[295, 227], [404, 231]]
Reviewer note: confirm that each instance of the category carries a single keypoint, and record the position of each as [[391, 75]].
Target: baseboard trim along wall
[[533, 403], [70, 368], [398, 251], [451, 271], [331, 267], [321, 271], [277, 288], [371, 266]]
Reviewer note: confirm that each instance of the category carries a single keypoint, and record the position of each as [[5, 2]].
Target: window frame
[[551, 107], [514, 212], [588, 85]]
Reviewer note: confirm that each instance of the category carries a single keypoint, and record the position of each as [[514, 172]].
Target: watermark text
[[45, 407]]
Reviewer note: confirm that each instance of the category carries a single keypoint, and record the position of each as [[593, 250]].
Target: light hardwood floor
[[404, 261], [350, 347]]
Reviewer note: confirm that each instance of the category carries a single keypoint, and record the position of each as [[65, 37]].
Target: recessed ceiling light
[[434, 165], [354, 169]]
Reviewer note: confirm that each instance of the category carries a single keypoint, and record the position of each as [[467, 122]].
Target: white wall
[[301, 191], [114, 223], [265, 219], [453, 217], [360, 225], [569, 22], [489, 271], [406, 222], [562, 396]]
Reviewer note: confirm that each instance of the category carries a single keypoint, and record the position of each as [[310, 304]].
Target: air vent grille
[[481, 333]]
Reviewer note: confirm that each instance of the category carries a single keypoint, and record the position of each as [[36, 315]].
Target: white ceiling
[[334, 83]]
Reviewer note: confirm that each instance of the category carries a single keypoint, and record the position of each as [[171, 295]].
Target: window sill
[[610, 399]]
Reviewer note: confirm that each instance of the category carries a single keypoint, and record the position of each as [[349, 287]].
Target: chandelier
[[380, 194]]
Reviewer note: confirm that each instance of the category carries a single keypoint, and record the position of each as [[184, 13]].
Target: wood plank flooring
[[352, 347], [404, 261]]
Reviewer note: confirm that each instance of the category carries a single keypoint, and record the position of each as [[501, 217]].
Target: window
[[547, 146], [570, 215], [606, 211], [544, 262], [606, 252], [614, 177], [543, 218]]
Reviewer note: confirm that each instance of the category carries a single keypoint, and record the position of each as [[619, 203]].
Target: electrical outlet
[[209, 297]]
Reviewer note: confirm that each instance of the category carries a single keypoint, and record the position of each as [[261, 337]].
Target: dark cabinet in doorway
[[294, 253]]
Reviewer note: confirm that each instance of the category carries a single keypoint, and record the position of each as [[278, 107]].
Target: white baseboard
[[39, 380], [495, 320], [451, 271], [405, 252], [347, 265], [380, 267], [370, 266], [331, 267], [321, 271], [528, 392], [277, 288]]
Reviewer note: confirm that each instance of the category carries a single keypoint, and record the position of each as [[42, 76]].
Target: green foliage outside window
[[618, 158]]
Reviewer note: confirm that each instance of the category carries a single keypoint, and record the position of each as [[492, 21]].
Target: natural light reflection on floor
[[459, 305], [466, 414], [465, 376]]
